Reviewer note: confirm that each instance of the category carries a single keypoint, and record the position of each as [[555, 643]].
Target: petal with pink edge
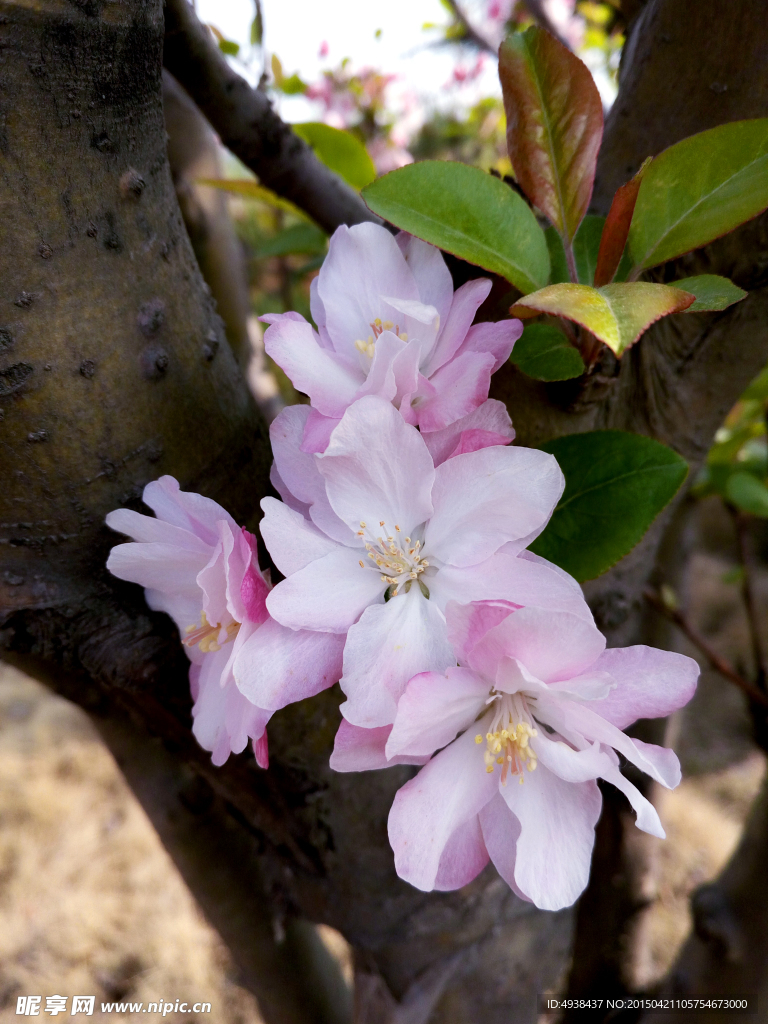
[[186, 509], [505, 577], [362, 750], [317, 432], [148, 530], [551, 645], [491, 418], [464, 857], [497, 338], [433, 278], [434, 708], [163, 567], [466, 301], [277, 666], [557, 833], [328, 594], [330, 384], [462, 386], [501, 830], [391, 644], [377, 468], [448, 791], [650, 683], [467, 624], [291, 541], [489, 498], [363, 264]]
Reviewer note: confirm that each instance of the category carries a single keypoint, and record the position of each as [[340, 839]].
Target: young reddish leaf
[[554, 125], [616, 229], [617, 314]]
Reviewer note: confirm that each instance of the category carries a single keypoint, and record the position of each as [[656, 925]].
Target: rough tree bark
[[114, 369]]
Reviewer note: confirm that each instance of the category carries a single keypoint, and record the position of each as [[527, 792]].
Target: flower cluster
[[402, 538]]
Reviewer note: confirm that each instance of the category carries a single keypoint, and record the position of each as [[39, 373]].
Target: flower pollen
[[398, 564], [206, 635], [368, 347], [508, 738]]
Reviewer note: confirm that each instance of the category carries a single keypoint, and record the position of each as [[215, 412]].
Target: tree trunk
[[114, 369]]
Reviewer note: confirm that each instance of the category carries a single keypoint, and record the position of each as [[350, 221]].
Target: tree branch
[[746, 554], [471, 35], [718, 663], [247, 124]]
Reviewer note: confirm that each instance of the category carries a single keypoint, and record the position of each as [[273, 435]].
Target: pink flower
[[538, 707], [389, 324], [374, 541], [201, 568]]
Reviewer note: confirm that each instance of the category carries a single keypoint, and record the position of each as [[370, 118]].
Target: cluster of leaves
[[737, 464], [584, 270]]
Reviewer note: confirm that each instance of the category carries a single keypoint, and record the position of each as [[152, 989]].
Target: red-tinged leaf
[[616, 228], [617, 314], [554, 125]]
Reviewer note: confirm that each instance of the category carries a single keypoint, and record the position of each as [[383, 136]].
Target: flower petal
[[501, 830], [491, 419], [148, 529], [185, 509], [377, 468], [448, 791], [291, 541], [317, 432], [330, 384], [391, 644], [467, 624], [223, 719], [647, 817], [277, 666], [434, 708], [328, 594], [557, 833], [507, 577], [164, 567], [464, 857], [363, 264], [466, 301], [488, 498], [461, 386], [650, 683], [362, 750], [432, 276], [497, 338], [570, 716], [551, 645]]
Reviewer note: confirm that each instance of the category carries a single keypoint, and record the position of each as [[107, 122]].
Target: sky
[[296, 30]]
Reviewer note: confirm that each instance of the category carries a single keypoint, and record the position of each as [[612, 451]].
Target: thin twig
[[718, 663], [471, 34], [250, 128], [748, 593]]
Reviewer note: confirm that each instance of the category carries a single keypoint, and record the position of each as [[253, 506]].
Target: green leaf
[[253, 190], [340, 151], [299, 238], [230, 48], [554, 125], [616, 483], [617, 314], [712, 292], [466, 212], [758, 389], [585, 248], [558, 263], [747, 493], [544, 353], [699, 189]]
